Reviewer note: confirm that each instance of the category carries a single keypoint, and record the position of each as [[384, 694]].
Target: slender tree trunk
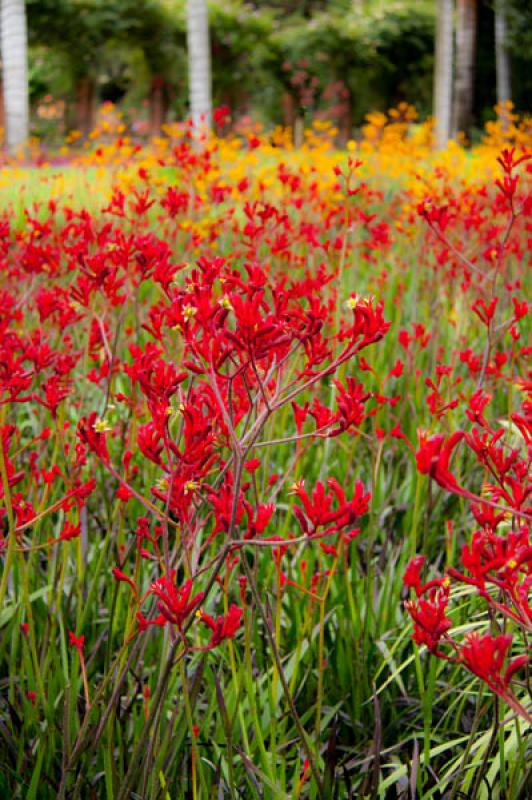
[[345, 119], [158, 105], [84, 104], [466, 38], [299, 131], [443, 72], [502, 58], [289, 111], [15, 72], [199, 63], [2, 115]]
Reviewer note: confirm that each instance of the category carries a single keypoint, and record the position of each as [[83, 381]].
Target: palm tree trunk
[[14, 46], [443, 72], [199, 63], [502, 58], [466, 37]]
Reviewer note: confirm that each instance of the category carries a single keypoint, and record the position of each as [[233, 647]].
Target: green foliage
[[381, 58], [259, 53], [81, 28], [119, 44], [240, 41], [319, 55], [519, 15], [48, 68]]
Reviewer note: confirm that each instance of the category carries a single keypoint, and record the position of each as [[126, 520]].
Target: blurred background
[[282, 62]]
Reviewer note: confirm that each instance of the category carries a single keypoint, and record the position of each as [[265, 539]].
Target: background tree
[[160, 36], [14, 47], [466, 35], [443, 71], [502, 58], [519, 20], [199, 62], [276, 61], [240, 45], [109, 45]]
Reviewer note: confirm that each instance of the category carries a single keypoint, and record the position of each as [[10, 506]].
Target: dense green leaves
[[329, 57]]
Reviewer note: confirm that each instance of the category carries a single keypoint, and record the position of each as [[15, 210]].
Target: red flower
[[478, 402], [368, 324], [485, 312], [13, 477], [69, 531], [76, 641], [485, 657], [144, 623], [92, 433], [430, 620], [411, 578], [32, 697], [175, 604], [319, 510], [224, 627], [433, 458], [150, 442], [258, 518], [351, 400], [120, 576]]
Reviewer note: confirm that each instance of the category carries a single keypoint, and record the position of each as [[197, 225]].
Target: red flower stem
[[85, 679], [10, 517], [444, 240]]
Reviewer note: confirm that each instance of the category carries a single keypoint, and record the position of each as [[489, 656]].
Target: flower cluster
[[496, 561], [231, 400]]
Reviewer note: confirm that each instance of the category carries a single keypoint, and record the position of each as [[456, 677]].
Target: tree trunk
[[443, 72], [15, 72], [2, 115], [158, 105], [345, 120], [84, 104], [299, 131], [289, 111], [502, 58], [466, 36], [199, 63]]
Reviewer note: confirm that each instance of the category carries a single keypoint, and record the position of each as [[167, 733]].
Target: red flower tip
[[69, 532], [32, 697], [412, 576], [120, 576], [76, 641]]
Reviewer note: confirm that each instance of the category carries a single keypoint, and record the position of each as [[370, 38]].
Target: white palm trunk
[[199, 63], [14, 50], [502, 58], [466, 37], [443, 72]]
